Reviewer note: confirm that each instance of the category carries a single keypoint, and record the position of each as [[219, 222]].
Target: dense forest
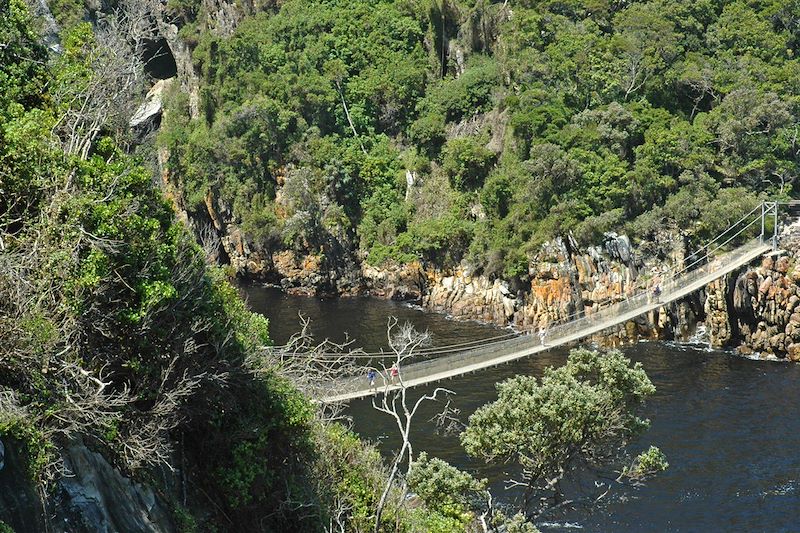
[[454, 130]]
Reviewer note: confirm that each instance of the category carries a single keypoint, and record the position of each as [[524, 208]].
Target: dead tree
[[404, 341], [311, 365], [100, 93], [210, 241]]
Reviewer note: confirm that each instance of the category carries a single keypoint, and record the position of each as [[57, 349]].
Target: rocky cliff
[[92, 497], [564, 281], [754, 309], [758, 309]]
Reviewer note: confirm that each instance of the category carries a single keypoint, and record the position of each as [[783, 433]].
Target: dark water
[[730, 427]]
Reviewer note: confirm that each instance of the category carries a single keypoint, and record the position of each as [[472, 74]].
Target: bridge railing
[[671, 289], [591, 321]]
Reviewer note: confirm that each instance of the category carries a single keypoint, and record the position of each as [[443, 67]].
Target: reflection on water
[[729, 426]]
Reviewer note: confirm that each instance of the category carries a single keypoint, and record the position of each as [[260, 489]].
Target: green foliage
[[428, 132], [440, 239], [68, 13], [38, 451], [385, 217], [5, 528], [22, 57], [24, 128], [184, 521], [583, 413], [466, 162], [519, 524], [283, 95], [423, 520], [536, 113], [592, 229], [353, 474], [445, 489], [464, 96], [649, 462], [275, 426], [700, 206]]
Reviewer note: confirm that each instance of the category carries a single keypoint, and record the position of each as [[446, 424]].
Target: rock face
[[564, 281], [19, 504], [49, 26], [718, 325], [405, 282], [95, 497], [464, 295], [759, 308], [147, 117]]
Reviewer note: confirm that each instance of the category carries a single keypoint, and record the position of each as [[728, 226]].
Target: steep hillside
[[135, 391], [318, 136]]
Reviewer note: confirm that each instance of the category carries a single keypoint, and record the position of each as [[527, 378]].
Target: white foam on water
[[561, 525], [700, 335], [789, 487]]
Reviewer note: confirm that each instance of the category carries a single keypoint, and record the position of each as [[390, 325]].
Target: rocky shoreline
[[759, 309], [756, 310]]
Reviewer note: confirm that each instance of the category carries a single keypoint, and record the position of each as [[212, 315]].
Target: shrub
[[467, 162], [446, 489], [428, 132], [467, 95]]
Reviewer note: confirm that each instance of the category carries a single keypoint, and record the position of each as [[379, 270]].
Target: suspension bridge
[[727, 252]]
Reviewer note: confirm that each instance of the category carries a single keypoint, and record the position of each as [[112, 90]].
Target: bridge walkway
[[498, 353]]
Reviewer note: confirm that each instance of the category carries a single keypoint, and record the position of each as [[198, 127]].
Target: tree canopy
[[519, 120], [576, 417]]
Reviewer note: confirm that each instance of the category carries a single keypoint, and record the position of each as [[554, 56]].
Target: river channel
[[729, 426]]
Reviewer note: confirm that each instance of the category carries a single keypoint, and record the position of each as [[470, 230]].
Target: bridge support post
[[775, 225], [769, 209]]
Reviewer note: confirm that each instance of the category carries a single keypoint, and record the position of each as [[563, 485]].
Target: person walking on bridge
[[657, 290], [654, 295], [394, 373], [371, 375], [542, 334]]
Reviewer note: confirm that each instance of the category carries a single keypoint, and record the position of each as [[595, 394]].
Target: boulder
[[147, 117], [744, 350], [777, 341], [793, 352], [765, 285], [618, 247]]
